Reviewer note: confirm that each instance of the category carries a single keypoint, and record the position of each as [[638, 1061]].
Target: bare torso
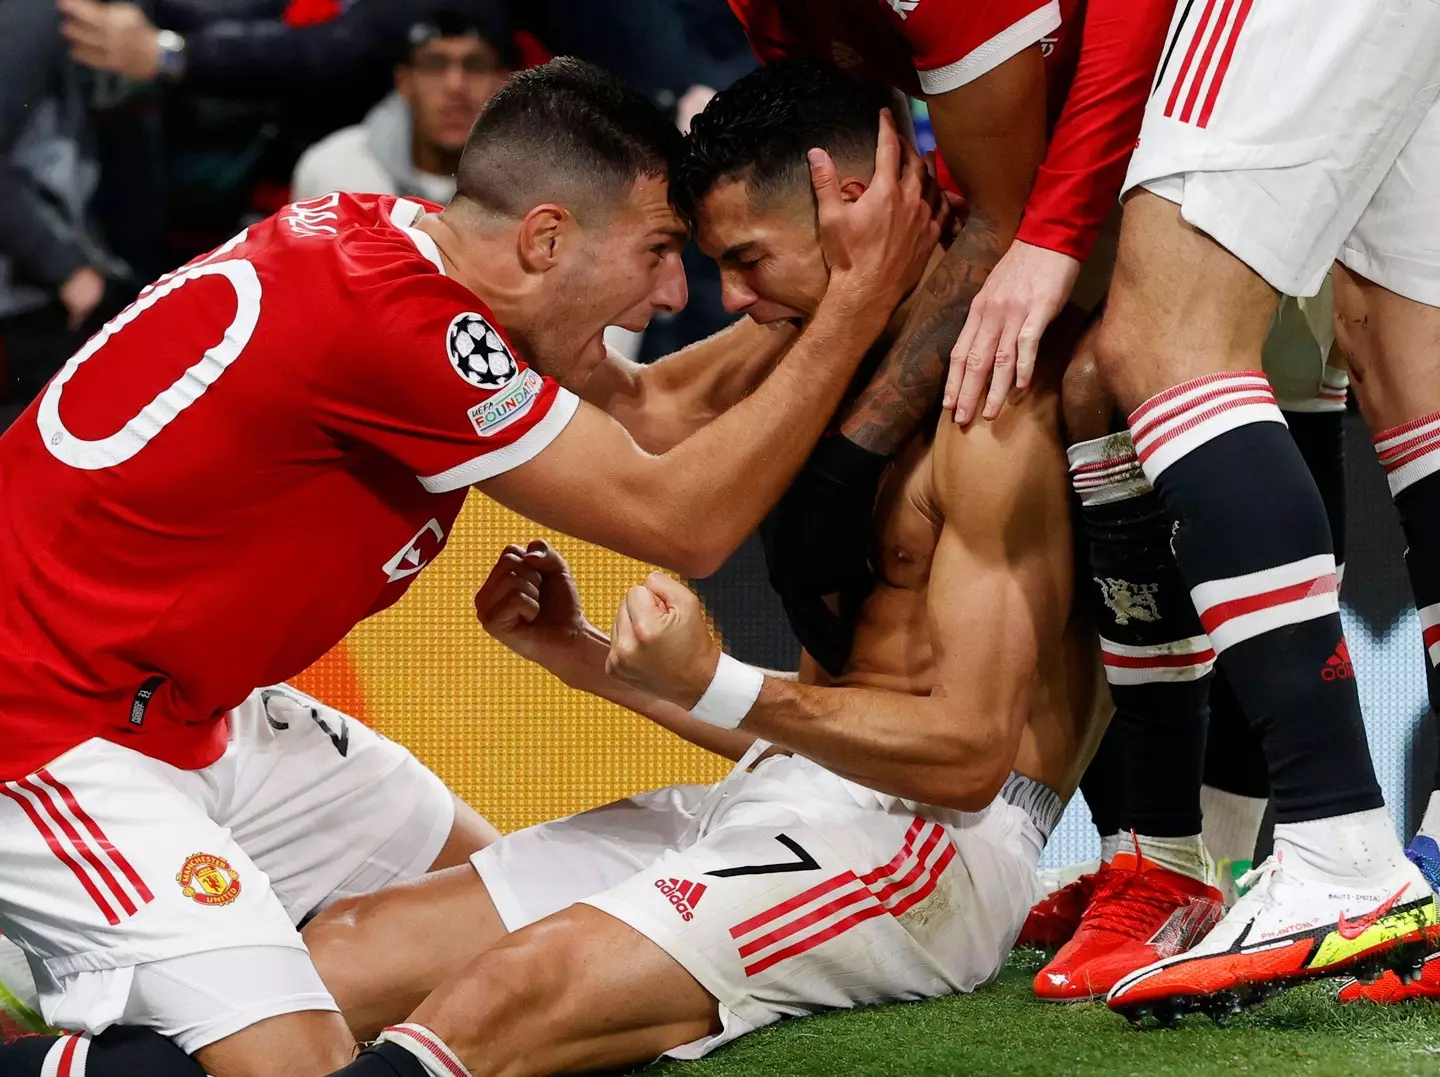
[[893, 646]]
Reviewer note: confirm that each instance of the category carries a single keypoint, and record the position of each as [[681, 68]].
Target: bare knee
[[1086, 401], [534, 975], [310, 1043], [333, 934]]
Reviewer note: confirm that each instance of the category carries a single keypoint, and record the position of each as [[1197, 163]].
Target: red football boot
[[1054, 918], [1139, 913], [1391, 989]]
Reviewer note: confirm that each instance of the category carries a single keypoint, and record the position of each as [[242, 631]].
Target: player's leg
[[135, 907], [1387, 292], [1158, 663], [1253, 539], [578, 991], [383, 953], [1310, 380], [749, 924], [1395, 347], [1236, 790]]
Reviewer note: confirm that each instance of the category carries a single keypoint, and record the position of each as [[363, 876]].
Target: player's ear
[[851, 189], [542, 233]]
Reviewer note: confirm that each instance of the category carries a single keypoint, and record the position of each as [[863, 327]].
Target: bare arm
[[991, 135], [998, 596], [663, 403], [999, 593], [530, 603]]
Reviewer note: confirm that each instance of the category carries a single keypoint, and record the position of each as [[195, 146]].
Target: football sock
[[1185, 855], [1103, 787], [117, 1052], [1232, 826], [1158, 660], [382, 1059], [1254, 545], [1411, 457]]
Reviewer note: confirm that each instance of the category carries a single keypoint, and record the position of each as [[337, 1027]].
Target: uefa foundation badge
[[209, 880]]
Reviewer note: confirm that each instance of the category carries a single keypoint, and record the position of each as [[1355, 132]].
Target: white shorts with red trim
[[1296, 133], [786, 890], [112, 861]]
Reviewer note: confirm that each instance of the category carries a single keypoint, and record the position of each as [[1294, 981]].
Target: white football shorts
[[1297, 133], [786, 890], [112, 862]]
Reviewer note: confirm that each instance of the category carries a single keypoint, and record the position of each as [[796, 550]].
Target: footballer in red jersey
[[268, 446]]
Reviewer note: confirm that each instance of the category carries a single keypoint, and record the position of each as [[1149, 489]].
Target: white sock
[[1110, 844], [1430, 825], [1185, 855], [1231, 824], [430, 1049], [1358, 846]]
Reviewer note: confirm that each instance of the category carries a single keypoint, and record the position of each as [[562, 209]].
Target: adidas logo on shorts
[[683, 894]]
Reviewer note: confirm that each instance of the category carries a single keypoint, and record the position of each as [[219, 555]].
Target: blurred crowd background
[[135, 136]]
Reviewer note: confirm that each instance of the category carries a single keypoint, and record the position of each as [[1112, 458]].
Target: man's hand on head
[[879, 244], [997, 347], [660, 643]]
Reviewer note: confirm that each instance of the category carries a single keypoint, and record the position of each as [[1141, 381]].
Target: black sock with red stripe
[[116, 1052], [1157, 659], [1411, 457], [1253, 543], [384, 1060]]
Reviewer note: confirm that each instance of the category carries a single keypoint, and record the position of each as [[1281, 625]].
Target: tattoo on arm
[[904, 388]]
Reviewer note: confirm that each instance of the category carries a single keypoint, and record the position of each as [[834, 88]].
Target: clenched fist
[[660, 643], [529, 603]]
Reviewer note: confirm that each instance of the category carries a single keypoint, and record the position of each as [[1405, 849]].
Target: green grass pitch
[[1001, 1031]]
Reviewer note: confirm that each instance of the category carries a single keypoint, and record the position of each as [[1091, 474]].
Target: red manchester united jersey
[[265, 448], [917, 46], [1100, 56]]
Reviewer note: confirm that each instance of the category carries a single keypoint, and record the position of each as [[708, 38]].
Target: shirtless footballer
[[269, 446], [891, 857]]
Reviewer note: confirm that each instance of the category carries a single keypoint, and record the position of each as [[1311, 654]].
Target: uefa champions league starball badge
[[478, 353]]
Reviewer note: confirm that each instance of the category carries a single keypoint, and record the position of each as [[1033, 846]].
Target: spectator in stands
[[410, 142], [57, 281], [274, 50]]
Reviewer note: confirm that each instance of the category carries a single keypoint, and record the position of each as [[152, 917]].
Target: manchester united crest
[[209, 880]]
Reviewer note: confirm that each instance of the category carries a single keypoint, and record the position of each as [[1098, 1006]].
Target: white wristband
[[731, 694]]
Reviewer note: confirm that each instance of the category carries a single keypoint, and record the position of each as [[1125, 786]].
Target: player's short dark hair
[[759, 129], [566, 132]]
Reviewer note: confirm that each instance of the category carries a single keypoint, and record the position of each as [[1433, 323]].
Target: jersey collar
[[403, 215]]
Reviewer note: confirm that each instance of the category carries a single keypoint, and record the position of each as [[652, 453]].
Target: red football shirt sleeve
[[957, 41], [434, 383], [1080, 179], [770, 37]]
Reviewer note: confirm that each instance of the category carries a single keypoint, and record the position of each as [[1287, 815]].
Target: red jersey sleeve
[[770, 37], [1090, 147], [957, 41], [434, 383]]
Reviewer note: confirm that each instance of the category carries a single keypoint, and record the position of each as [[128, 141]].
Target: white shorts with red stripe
[[111, 861], [1297, 133], [786, 890]]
